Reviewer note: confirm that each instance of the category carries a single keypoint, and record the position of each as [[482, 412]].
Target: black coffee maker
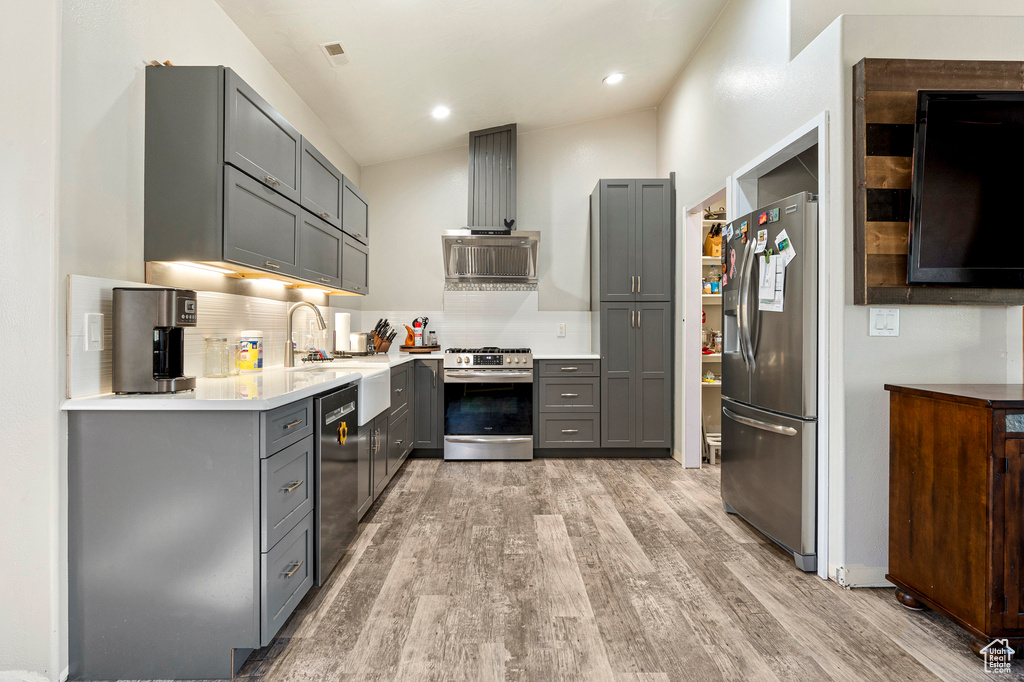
[[149, 339]]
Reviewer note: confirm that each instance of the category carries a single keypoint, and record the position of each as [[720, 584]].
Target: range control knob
[[458, 359], [466, 359], [523, 360], [517, 360], [508, 358]]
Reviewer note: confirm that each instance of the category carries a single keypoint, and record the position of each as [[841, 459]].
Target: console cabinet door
[[654, 375], [355, 211], [261, 228], [319, 251], [618, 378], [258, 140], [654, 243], [427, 404], [322, 185], [355, 266]]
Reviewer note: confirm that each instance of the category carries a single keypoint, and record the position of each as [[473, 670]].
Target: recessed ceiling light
[[440, 111], [613, 78]]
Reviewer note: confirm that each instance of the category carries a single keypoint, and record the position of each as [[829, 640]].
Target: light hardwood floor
[[563, 569]]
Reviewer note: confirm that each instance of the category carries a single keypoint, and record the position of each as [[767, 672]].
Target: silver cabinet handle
[[292, 425], [272, 265], [570, 395], [324, 214], [758, 424], [632, 284], [638, 284], [570, 369], [294, 569], [291, 486], [638, 313], [433, 372], [399, 390], [632, 318], [325, 279], [570, 430], [270, 179], [398, 442]]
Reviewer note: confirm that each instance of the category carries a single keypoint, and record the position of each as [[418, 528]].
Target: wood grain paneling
[[884, 111]]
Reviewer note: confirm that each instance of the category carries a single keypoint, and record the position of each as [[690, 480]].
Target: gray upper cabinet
[[492, 176], [261, 228], [225, 177], [633, 240], [320, 255], [355, 264], [258, 140], [355, 212], [655, 247], [322, 185], [428, 383]]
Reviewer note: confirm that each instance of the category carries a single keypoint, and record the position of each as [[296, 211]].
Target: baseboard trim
[[858, 575]]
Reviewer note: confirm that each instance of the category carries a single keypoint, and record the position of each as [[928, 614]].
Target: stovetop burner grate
[[488, 349]]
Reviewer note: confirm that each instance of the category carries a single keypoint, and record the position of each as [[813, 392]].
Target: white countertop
[[273, 387]]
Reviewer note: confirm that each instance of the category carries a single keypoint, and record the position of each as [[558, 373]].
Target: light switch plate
[[93, 331], [884, 322]]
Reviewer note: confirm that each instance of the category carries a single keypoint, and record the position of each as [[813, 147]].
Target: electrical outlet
[[93, 331], [561, 330]]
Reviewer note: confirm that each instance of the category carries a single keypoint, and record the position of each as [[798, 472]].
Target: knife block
[[380, 345]]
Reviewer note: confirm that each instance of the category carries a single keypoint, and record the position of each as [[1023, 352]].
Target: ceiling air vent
[[335, 53]]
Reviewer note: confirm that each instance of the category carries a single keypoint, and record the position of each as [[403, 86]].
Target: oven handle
[[489, 439], [488, 377]]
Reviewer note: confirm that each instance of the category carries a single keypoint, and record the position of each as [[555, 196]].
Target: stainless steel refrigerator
[[769, 377]]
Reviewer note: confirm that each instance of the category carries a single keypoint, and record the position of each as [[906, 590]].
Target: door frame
[[741, 198]]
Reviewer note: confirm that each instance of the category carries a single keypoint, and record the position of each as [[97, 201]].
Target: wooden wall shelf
[[884, 108]]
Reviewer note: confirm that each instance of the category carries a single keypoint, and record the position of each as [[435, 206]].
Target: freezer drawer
[[769, 476]]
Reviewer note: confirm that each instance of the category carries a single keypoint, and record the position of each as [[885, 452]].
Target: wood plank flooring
[[565, 569]]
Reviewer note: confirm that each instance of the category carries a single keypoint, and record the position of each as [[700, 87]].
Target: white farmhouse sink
[[374, 392]]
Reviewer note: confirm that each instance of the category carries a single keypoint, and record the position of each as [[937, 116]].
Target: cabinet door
[[618, 379], [365, 449], [355, 211], [261, 228], [618, 240], [380, 453], [355, 265], [319, 251], [1013, 535], [654, 375], [321, 185], [427, 404], [654, 242], [258, 140], [398, 441]]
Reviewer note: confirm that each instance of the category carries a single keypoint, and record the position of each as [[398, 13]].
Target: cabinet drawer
[[286, 576], [570, 368], [570, 395], [569, 430], [285, 425], [399, 441], [286, 491], [401, 389]]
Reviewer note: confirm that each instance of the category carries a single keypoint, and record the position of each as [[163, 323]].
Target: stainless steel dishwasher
[[336, 476]]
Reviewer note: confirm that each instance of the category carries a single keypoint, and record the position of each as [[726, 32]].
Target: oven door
[[488, 403]]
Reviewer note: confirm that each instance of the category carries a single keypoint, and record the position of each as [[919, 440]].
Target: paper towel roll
[[342, 330]]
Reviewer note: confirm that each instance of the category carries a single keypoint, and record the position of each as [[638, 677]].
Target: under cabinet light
[[267, 280], [201, 266]]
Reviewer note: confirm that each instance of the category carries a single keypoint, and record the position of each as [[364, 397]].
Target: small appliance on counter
[[149, 339], [361, 343]]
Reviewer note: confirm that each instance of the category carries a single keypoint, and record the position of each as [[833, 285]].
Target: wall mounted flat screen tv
[[967, 190]]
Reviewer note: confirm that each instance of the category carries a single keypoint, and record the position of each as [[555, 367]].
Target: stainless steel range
[[488, 403]]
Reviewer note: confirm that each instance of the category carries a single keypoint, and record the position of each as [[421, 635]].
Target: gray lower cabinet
[[226, 175], [258, 140], [261, 227], [320, 251], [322, 185], [399, 441], [560, 430], [618, 378], [188, 531], [428, 404], [573, 367], [379, 452]]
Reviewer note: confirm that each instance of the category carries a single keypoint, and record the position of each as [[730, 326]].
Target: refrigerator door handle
[[758, 424], [743, 317]]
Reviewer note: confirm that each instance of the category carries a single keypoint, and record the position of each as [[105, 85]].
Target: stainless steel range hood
[[490, 259]]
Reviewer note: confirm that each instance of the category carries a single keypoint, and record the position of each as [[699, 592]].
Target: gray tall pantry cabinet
[[632, 285], [229, 181]]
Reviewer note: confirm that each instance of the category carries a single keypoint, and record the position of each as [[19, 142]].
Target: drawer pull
[[291, 486], [272, 265], [570, 369], [324, 214], [324, 279], [292, 425], [570, 395], [399, 390], [293, 570], [570, 430], [271, 180], [399, 442]]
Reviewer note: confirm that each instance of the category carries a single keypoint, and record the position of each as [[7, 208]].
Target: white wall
[[810, 17], [31, 595], [413, 200], [734, 99]]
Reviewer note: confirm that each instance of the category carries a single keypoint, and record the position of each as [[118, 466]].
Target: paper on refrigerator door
[[786, 250], [771, 285]]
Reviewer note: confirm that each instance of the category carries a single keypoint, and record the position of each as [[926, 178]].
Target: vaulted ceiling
[[538, 63]]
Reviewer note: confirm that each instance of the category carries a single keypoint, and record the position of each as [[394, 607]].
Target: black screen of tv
[[968, 187]]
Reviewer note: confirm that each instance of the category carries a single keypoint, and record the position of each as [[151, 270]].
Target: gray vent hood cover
[[490, 259]]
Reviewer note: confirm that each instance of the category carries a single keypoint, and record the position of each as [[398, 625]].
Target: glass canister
[[218, 359], [235, 357]]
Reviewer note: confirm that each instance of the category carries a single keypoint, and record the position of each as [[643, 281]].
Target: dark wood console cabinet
[[956, 504]]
